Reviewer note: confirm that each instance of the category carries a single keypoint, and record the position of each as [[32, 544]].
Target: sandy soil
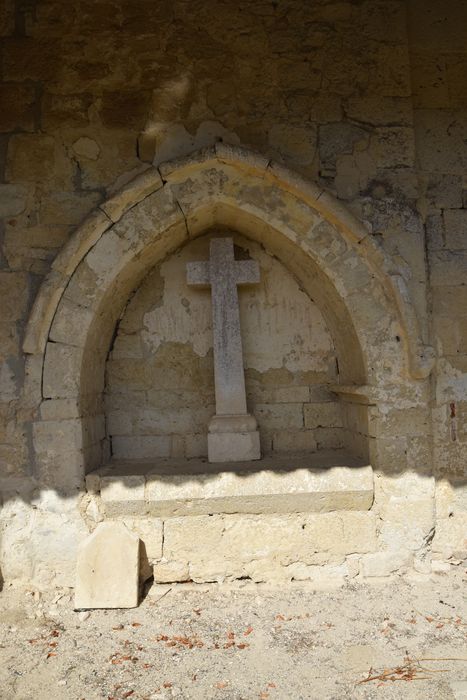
[[241, 642]]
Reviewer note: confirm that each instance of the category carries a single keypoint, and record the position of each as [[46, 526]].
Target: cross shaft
[[223, 273], [232, 435]]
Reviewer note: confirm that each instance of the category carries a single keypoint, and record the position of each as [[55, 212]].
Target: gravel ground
[[241, 642]]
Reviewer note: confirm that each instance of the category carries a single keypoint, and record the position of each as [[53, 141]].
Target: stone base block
[[233, 447], [269, 548]]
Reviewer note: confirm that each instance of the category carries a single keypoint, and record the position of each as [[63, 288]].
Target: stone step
[[197, 488]]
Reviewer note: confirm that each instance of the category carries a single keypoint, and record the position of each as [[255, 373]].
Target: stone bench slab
[[275, 488]]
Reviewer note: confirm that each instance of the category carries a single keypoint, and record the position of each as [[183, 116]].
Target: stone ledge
[[270, 486]]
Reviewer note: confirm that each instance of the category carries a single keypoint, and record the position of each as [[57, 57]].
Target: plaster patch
[[281, 326]]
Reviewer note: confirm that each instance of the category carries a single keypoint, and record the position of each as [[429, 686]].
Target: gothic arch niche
[[160, 372], [74, 318]]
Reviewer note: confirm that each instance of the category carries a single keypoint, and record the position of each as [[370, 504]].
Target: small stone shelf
[[288, 484]]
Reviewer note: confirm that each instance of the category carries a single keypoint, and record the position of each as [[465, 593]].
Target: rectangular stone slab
[[229, 490], [245, 446], [107, 568]]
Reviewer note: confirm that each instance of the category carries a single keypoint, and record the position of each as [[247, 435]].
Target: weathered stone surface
[[265, 548], [227, 441], [150, 531], [392, 147], [297, 145], [142, 447], [404, 484], [336, 139], [233, 446], [455, 221], [171, 571], [31, 154], [409, 421], [129, 488], [71, 325], [86, 148], [59, 435], [14, 287], [323, 415], [294, 441], [68, 208], [286, 416], [451, 535], [266, 491], [61, 371], [85, 237], [408, 522], [292, 394], [30, 551], [7, 18], [69, 442], [20, 99], [13, 199], [107, 568], [384, 563], [139, 188], [380, 110]]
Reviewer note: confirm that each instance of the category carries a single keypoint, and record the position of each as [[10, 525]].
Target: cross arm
[[246, 272], [197, 273]]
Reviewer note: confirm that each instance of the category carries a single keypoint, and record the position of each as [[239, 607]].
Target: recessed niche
[[159, 394]]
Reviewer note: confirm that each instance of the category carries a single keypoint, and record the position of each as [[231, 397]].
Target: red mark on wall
[[452, 415]]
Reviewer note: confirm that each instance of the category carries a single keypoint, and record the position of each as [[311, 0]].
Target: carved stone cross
[[233, 434]]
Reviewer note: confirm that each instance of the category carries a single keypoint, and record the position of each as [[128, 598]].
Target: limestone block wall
[[160, 373], [438, 60], [366, 99], [326, 89]]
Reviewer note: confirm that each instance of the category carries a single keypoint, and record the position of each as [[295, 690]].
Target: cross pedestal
[[233, 433]]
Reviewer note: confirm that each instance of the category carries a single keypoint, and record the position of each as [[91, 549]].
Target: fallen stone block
[[107, 573]]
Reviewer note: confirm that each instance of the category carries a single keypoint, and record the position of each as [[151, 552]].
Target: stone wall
[[325, 88], [367, 99], [438, 58]]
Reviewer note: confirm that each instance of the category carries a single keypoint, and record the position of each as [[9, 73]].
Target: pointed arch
[[363, 299]]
